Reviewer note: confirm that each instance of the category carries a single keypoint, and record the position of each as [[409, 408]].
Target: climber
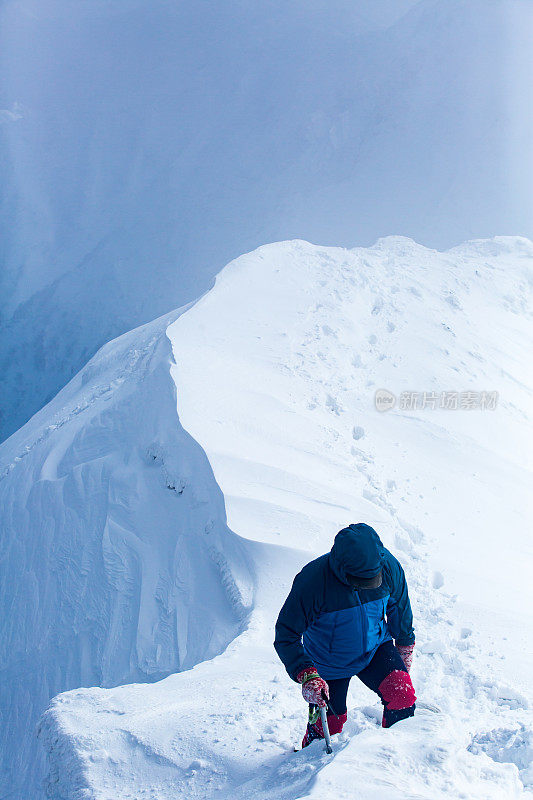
[[339, 620]]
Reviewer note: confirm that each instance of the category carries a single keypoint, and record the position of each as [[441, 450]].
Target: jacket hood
[[357, 550]]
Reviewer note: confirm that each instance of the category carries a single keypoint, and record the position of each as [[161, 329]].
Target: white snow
[[145, 143], [112, 527], [118, 565]]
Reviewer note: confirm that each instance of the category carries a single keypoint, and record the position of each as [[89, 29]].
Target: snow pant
[[386, 675]]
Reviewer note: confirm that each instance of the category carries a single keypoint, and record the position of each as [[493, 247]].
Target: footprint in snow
[[378, 305], [405, 544], [438, 580], [506, 696], [327, 331], [414, 533], [508, 746], [333, 405], [452, 300]]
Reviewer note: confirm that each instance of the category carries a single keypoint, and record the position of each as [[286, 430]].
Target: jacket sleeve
[[297, 613], [399, 614]]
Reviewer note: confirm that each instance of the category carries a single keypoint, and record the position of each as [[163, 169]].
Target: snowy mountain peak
[[160, 505], [144, 144]]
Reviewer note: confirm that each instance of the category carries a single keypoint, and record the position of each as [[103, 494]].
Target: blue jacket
[[342, 627]]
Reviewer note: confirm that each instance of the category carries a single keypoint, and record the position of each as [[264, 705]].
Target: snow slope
[[145, 143], [111, 525], [275, 370]]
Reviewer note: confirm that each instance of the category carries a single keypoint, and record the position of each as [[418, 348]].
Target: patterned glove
[[406, 653], [313, 687]]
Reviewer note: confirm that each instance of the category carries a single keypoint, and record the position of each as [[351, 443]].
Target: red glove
[[406, 653], [313, 687]]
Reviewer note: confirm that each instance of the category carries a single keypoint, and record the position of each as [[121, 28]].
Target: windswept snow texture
[[276, 370], [145, 143], [115, 553]]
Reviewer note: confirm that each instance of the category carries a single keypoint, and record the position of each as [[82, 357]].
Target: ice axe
[[325, 726]]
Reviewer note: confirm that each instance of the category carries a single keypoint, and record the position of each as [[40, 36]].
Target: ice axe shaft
[[325, 728]]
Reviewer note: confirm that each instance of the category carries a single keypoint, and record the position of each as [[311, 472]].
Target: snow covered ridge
[[409, 116], [112, 527], [118, 565]]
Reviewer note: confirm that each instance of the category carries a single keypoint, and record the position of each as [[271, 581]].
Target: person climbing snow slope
[[340, 618]]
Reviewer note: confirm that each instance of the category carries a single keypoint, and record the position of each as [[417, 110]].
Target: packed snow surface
[[145, 143], [160, 506]]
